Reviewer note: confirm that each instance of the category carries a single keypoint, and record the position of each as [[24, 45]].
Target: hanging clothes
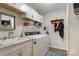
[[61, 29], [55, 26]]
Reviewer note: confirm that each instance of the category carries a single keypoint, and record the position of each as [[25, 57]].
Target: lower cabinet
[[16, 53], [22, 49], [21, 52], [26, 52]]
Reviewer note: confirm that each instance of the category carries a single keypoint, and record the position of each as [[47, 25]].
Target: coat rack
[[57, 26], [52, 21]]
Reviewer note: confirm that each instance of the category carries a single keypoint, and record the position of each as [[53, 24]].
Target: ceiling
[[44, 8]]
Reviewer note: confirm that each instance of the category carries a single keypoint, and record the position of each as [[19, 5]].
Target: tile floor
[[55, 53]]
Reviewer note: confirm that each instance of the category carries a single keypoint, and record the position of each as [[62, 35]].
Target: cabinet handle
[[21, 53], [34, 43]]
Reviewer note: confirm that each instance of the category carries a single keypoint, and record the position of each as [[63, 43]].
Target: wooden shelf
[[27, 23], [52, 21], [11, 8]]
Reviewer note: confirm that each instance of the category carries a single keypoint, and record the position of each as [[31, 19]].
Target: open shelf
[[11, 8]]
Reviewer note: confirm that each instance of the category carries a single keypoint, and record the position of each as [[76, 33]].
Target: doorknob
[[35, 42]]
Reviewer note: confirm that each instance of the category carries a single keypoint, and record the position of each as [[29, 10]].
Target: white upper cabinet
[[29, 12], [20, 6], [35, 15]]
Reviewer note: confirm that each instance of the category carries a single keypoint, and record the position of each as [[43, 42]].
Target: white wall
[[55, 40], [73, 32]]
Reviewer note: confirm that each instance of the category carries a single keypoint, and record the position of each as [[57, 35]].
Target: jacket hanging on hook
[[61, 29], [55, 26]]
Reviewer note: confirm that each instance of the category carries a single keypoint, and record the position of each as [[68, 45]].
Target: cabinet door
[[41, 18], [16, 53], [34, 15], [30, 13], [27, 51]]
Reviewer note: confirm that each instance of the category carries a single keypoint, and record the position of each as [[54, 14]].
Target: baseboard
[[59, 50]]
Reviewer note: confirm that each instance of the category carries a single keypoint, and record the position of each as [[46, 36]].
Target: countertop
[[17, 40]]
